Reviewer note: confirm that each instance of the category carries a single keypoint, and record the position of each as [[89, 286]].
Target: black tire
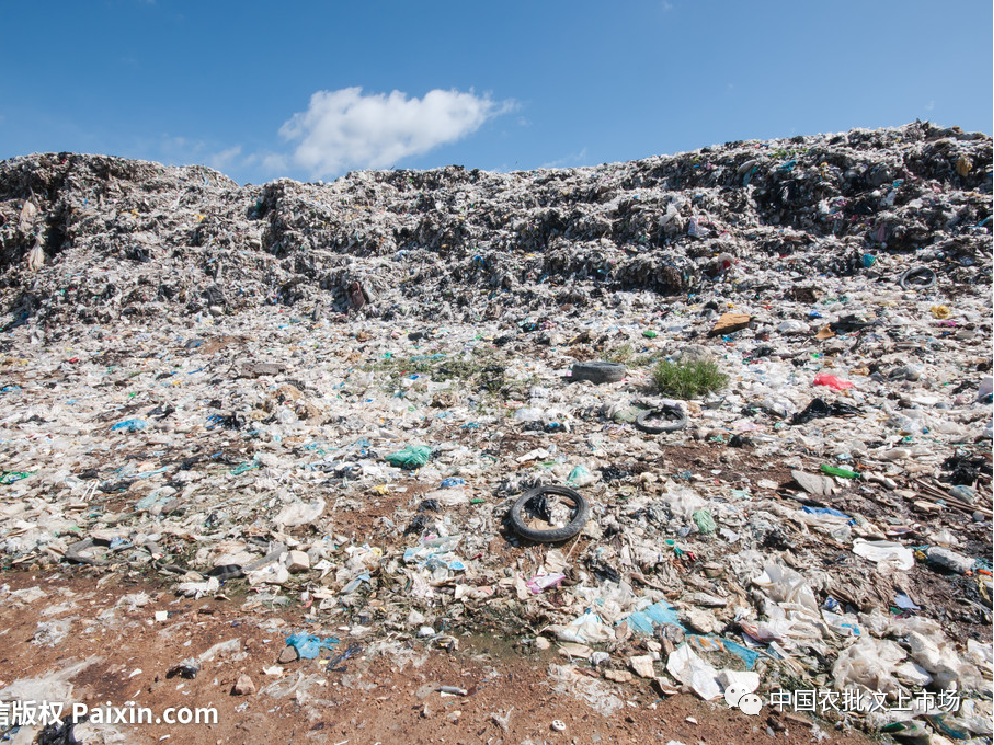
[[226, 572], [580, 515], [72, 553], [918, 279], [674, 419], [598, 372]]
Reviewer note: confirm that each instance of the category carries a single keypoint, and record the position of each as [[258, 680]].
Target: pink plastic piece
[[832, 382]]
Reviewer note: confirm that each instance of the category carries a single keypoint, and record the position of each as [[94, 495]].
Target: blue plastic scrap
[[853, 628], [643, 621], [828, 511], [152, 499], [309, 646], [711, 643], [354, 584], [903, 601], [150, 474], [129, 425]]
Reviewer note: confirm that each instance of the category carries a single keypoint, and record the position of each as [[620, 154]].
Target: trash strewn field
[[642, 435]]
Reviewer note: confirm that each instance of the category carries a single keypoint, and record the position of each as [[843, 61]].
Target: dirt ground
[[370, 698]]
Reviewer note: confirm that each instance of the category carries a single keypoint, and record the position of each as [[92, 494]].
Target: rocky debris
[[618, 676], [244, 686], [288, 655], [642, 666], [297, 561]]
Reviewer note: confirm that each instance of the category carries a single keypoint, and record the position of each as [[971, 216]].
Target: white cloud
[[275, 163], [179, 150], [348, 129], [571, 160], [220, 161], [930, 106]]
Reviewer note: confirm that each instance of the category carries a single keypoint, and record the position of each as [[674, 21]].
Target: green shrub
[[626, 355], [688, 379], [622, 354]]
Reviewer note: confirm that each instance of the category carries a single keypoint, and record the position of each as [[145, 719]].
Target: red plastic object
[[832, 382]]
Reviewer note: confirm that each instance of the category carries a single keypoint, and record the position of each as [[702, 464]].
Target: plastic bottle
[[841, 472]]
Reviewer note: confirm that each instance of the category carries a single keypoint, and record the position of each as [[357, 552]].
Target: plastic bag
[[705, 523], [580, 476], [869, 663], [836, 384], [299, 513], [887, 554], [588, 628], [785, 585], [683, 503], [130, 426], [691, 670], [410, 458], [643, 621], [309, 646], [541, 582]]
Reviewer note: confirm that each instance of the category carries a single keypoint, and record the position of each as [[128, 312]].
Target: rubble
[[359, 400], [244, 686]]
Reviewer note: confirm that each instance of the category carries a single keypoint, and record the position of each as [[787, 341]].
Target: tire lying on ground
[[598, 372], [919, 278], [670, 418], [581, 513]]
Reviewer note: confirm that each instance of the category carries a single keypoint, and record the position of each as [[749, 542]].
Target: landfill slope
[[456, 245], [318, 403]]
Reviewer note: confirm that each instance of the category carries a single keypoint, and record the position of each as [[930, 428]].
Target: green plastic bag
[[9, 477], [627, 415], [411, 457], [580, 476], [705, 523]]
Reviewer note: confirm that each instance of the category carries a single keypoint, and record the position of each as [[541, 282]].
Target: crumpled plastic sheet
[[309, 646]]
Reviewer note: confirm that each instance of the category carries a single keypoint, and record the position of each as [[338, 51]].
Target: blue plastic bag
[[309, 646]]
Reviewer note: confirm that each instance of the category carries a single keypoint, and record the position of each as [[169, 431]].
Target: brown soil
[[379, 698]]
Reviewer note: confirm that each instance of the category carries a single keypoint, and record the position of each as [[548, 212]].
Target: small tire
[[908, 279], [598, 372], [669, 425], [581, 515], [72, 553]]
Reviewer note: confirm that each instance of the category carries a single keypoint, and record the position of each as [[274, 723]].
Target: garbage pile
[[422, 404], [891, 206]]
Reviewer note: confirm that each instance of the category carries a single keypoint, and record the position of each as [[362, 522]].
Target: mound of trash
[[720, 420], [135, 239]]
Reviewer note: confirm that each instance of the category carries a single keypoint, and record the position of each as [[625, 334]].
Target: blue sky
[[313, 89]]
